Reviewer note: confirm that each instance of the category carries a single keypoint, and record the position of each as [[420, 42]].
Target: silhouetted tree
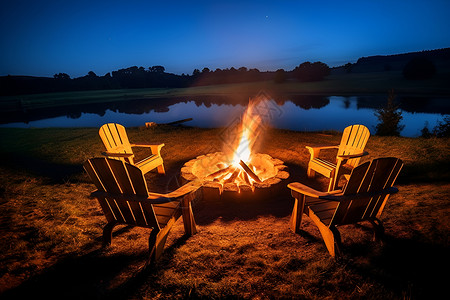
[[196, 72], [91, 74], [311, 71], [389, 118], [419, 68], [348, 67], [157, 69], [280, 76], [61, 76]]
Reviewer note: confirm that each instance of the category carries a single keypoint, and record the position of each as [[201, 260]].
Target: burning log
[[246, 179], [249, 171], [233, 176], [221, 178], [219, 173]]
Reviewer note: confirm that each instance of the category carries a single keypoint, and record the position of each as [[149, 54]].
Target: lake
[[302, 113]]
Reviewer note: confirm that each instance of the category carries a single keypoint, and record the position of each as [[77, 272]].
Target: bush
[[443, 128], [389, 118], [425, 132]]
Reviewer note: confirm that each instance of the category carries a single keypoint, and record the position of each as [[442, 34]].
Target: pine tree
[[389, 117]]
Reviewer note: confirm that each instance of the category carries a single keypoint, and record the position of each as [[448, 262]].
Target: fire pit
[[260, 177], [240, 172]]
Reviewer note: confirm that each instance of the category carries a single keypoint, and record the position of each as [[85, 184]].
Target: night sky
[[42, 38]]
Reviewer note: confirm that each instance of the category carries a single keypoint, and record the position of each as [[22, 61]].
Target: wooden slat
[[114, 134], [126, 211], [345, 140], [149, 214], [105, 175], [366, 181], [115, 139], [381, 173], [165, 211], [121, 175], [394, 174], [137, 179], [353, 141], [359, 144], [322, 167], [325, 211], [356, 177], [138, 213], [106, 137], [93, 175], [374, 206], [314, 201], [341, 211], [355, 211], [115, 209], [109, 214]]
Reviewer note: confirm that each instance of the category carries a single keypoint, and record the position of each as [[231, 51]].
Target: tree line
[[155, 77]]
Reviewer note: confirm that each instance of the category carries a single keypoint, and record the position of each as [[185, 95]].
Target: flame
[[249, 131]]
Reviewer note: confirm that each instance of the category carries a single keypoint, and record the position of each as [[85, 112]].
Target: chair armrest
[[153, 199], [180, 192], [117, 154], [314, 151], [155, 149], [390, 190], [305, 190], [350, 156]]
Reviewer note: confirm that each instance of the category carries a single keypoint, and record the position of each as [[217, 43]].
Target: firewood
[[249, 171], [218, 173], [233, 176]]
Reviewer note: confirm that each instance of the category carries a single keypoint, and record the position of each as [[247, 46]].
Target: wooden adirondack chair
[[124, 198], [350, 151], [362, 199], [115, 139]]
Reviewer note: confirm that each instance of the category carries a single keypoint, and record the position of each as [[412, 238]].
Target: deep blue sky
[[41, 38]]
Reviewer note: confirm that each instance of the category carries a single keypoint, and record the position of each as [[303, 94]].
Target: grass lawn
[[51, 230]]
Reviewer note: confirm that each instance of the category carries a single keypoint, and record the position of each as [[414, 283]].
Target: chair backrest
[[367, 190], [115, 139], [122, 191], [354, 139]]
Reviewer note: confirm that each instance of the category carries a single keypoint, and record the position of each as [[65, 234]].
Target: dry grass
[[51, 230]]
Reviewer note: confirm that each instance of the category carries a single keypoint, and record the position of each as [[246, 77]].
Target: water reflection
[[308, 113]]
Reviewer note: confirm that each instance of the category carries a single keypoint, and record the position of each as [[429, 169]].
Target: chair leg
[[297, 212], [156, 243], [161, 169], [152, 246], [107, 233], [190, 227], [310, 172], [378, 230], [333, 182], [330, 235], [337, 241]]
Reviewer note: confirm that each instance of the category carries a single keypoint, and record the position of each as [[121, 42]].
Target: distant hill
[[156, 77], [396, 62]]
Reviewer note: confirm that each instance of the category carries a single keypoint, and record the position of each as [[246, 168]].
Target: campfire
[[240, 170]]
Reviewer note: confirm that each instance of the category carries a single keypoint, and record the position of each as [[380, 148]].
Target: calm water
[[306, 113]]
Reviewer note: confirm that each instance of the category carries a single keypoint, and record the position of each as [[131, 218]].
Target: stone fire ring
[[269, 187]]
